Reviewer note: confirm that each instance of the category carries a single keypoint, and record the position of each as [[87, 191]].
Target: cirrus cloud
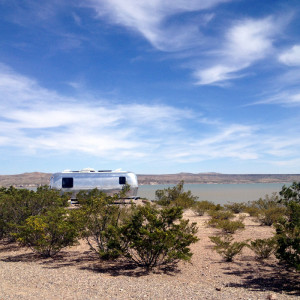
[[245, 43], [291, 57]]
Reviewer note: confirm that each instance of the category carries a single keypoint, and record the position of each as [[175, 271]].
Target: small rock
[[218, 289], [271, 297]]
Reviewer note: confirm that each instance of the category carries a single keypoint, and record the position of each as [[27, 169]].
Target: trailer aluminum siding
[[108, 182]]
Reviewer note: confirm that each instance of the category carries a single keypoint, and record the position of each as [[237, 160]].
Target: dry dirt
[[77, 274]]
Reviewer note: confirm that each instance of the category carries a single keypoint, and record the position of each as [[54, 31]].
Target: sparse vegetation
[[267, 210], [175, 196], [148, 235], [218, 215], [252, 210], [226, 247], [228, 226], [201, 207], [263, 248], [16, 205], [47, 234], [154, 236], [288, 227], [235, 207], [101, 223]]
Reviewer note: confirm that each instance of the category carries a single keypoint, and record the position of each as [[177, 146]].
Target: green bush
[[267, 202], [288, 236], [218, 215], [236, 207], [201, 207], [226, 247], [101, 220], [16, 205], [268, 217], [47, 234], [252, 211], [88, 197], [175, 196], [268, 210], [290, 194], [154, 236], [263, 248], [218, 207], [228, 226]]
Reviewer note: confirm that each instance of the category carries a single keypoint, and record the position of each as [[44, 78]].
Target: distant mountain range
[[37, 178]]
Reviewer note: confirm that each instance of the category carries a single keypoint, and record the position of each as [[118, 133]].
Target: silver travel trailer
[[108, 181]]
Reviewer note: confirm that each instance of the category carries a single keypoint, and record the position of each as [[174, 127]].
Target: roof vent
[[87, 170]]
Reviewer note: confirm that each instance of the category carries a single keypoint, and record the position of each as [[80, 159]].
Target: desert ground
[[77, 273]]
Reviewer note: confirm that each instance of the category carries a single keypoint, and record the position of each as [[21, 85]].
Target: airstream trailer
[[108, 181]]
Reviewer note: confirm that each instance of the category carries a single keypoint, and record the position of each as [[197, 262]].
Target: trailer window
[[67, 183], [122, 180]]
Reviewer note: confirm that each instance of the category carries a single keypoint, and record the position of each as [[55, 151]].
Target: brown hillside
[[37, 178]]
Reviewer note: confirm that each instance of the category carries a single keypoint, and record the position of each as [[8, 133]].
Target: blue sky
[[150, 86]]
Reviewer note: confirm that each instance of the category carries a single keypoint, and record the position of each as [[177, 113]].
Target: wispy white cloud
[[231, 141], [37, 120], [291, 163], [245, 42], [150, 19], [284, 98], [291, 57]]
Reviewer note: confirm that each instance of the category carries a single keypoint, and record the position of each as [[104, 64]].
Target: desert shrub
[[101, 219], [290, 194], [201, 207], [252, 211], [218, 215], [47, 234], [16, 205], [175, 196], [2, 225], [218, 207], [154, 236], [228, 226], [87, 198], [263, 248], [268, 217], [235, 207], [288, 228], [268, 210], [226, 247], [267, 202]]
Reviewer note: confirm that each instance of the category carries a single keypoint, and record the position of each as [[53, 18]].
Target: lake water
[[219, 193]]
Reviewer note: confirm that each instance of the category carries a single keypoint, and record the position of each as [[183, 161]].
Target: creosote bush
[[228, 226], [101, 220], [288, 227], [235, 207], [16, 205], [252, 211], [200, 207], [268, 210], [218, 215], [47, 234], [226, 247], [175, 196], [263, 248], [153, 236], [289, 194]]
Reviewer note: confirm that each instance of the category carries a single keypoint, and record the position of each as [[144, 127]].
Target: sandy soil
[[77, 274]]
